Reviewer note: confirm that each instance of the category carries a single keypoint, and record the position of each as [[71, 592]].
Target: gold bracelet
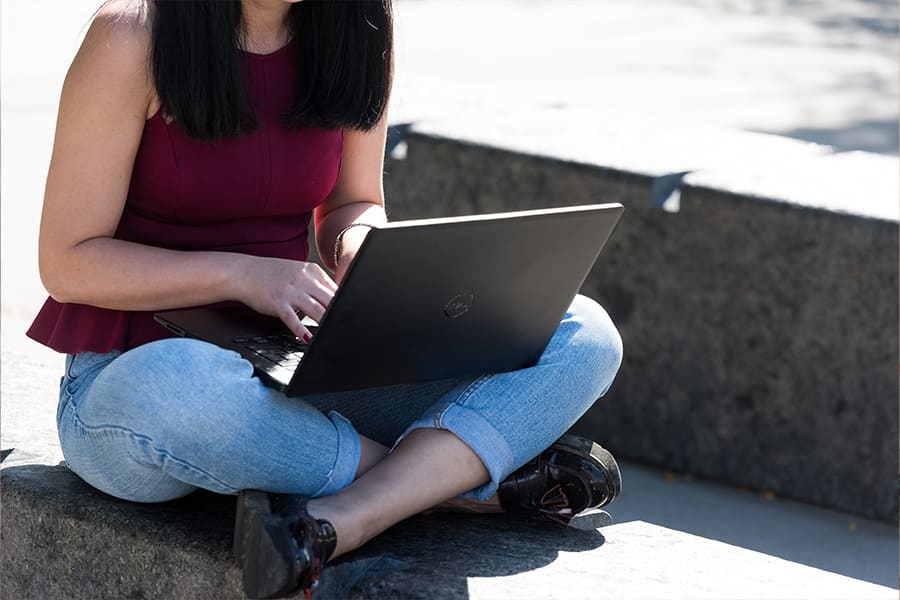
[[339, 239]]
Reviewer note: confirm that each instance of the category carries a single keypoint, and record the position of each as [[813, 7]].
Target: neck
[[265, 25]]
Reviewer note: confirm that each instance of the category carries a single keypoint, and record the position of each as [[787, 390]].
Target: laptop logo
[[459, 305]]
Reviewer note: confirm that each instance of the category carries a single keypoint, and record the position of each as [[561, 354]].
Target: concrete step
[[753, 279], [62, 539], [675, 537]]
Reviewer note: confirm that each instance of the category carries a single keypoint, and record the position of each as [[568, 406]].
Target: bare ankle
[[466, 505]]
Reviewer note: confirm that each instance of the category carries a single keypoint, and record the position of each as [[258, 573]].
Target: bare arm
[[358, 197], [105, 101]]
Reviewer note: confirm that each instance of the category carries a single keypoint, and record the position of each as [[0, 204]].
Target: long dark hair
[[344, 56]]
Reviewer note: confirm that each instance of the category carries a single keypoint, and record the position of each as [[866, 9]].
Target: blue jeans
[[163, 419]]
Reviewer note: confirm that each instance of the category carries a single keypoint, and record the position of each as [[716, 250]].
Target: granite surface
[[761, 348], [61, 539], [760, 325]]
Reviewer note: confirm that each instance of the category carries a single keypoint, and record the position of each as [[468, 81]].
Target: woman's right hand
[[287, 289]]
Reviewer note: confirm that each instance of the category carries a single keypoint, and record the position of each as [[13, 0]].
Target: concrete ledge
[[754, 279], [61, 539]]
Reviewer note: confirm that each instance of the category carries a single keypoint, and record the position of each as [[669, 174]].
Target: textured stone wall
[[761, 336]]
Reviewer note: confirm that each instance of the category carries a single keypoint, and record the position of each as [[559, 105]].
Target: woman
[[195, 141]]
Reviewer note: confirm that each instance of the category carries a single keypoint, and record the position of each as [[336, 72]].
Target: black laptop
[[425, 300]]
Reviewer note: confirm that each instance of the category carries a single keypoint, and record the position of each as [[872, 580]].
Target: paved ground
[[820, 70], [823, 71]]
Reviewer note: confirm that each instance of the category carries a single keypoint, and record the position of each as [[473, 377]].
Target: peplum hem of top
[[74, 328]]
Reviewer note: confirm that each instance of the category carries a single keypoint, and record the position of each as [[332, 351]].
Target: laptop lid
[[432, 299], [453, 297]]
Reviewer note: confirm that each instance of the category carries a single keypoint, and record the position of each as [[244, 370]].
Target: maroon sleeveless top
[[251, 194]]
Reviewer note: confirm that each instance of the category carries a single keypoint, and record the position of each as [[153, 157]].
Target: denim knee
[[147, 412], [162, 383], [198, 413], [597, 343], [508, 418]]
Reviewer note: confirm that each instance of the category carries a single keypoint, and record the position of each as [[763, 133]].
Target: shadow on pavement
[[871, 135]]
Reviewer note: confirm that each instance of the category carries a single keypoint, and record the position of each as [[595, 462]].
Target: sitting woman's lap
[[166, 418]]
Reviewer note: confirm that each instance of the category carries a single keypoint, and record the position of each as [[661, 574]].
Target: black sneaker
[[567, 483]]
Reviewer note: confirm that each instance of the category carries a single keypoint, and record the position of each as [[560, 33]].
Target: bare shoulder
[[115, 53], [121, 27]]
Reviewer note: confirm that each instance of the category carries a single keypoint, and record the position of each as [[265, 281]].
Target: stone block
[[754, 280], [61, 540]]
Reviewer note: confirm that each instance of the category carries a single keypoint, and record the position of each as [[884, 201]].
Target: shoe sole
[[590, 520], [264, 548], [250, 502]]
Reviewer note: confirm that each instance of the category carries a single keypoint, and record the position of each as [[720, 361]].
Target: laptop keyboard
[[284, 350]]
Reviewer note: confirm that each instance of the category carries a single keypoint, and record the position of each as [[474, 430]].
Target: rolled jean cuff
[[479, 435], [348, 454]]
